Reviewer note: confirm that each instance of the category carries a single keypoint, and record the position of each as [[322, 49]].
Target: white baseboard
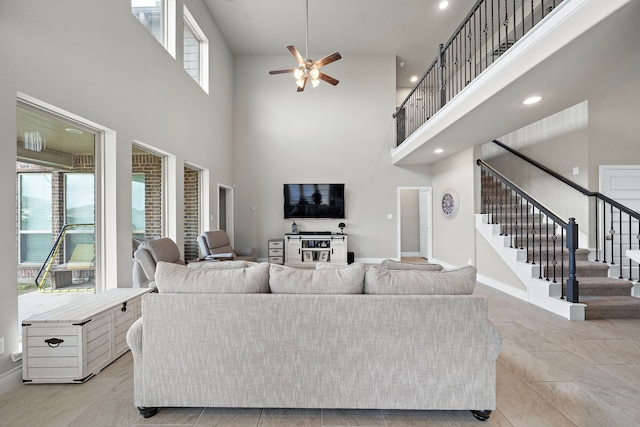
[[11, 379], [410, 254]]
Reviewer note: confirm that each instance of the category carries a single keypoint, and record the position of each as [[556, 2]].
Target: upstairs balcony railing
[[488, 31]]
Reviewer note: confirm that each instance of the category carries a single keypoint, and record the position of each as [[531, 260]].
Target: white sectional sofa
[[270, 336]]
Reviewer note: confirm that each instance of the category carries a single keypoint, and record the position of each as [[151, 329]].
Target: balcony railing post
[[572, 245], [442, 95]]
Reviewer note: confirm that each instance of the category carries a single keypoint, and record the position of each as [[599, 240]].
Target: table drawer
[[276, 252], [276, 244], [276, 260]]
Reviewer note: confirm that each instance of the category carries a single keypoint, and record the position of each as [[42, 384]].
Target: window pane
[[137, 205], [149, 13], [191, 53], [79, 247], [79, 198], [35, 201], [35, 247]]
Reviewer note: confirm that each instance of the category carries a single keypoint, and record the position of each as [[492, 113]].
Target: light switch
[[389, 216]]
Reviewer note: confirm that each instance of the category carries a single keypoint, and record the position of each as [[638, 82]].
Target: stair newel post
[[572, 245]]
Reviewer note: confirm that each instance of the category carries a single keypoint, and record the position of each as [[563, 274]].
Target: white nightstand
[[276, 251]]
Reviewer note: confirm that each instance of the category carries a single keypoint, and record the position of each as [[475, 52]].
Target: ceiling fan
[[308, 68]]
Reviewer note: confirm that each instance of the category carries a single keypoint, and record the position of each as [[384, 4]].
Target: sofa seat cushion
[[173, 278], [459, 281], [390, 264], [289, 280]]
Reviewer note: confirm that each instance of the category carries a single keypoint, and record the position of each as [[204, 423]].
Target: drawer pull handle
[[124, 307], [53, 342]]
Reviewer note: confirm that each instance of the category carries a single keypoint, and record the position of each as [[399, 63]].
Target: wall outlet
[[576, 170], [389, 216], [1, 345]]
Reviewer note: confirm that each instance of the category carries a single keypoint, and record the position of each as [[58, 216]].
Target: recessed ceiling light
[[438, 150], [74, 131], [532, 100], [443, 4], [414, 79]]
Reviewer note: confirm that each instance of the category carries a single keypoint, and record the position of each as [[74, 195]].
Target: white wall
[[93, 59], [340, 134], [454, 238]]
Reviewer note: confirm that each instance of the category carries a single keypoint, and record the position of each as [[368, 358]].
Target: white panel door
[[622, 184]]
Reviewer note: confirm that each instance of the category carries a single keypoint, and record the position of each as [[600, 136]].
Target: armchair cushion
[[148, 255], [217, 242]]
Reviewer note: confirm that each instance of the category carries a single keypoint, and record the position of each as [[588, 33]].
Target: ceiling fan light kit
[[308, 68]]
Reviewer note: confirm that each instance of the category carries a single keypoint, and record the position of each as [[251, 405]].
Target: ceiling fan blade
[[328, 79], [281, 71], [296, 54], [328, 59], [304, 83]]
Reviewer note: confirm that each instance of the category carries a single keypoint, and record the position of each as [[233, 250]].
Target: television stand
[[306, 250]]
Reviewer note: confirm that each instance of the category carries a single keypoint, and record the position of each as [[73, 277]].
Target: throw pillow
[[218, 265], [173, 278], [459, 281], [390, 264], [288, 280]]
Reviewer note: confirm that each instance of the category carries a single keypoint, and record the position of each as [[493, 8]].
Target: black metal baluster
[[554, 259], [547, 240], [540, 243], [597, 232], [620, 241], [612, 233], [630, 273], [529, 233]]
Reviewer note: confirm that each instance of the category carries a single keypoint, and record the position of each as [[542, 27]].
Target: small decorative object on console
[[294, 228], [341, 226]]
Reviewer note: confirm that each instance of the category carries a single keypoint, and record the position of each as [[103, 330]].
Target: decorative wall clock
[[450, 203]]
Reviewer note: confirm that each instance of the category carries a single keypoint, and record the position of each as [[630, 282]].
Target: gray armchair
[[217, 242], [148, 254]]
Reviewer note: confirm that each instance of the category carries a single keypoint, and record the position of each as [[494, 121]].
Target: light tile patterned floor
[[551, 372]]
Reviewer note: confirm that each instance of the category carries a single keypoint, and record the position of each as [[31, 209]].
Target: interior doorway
[[414, 222], [225, 211]]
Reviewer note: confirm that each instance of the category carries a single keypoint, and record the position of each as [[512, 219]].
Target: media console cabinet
[[306, 250], [72, 343]]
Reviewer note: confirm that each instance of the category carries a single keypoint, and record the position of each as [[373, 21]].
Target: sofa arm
[[134, 338], [495, 343]]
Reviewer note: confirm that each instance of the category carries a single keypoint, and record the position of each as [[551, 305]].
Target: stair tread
[[610, 301]]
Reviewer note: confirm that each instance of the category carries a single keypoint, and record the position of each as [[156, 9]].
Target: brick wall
[[191, 213], [151, 166]]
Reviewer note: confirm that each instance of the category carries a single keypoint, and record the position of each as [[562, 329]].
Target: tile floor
[[551, 372]]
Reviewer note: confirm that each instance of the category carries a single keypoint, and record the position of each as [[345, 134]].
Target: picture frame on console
[[324, 256]]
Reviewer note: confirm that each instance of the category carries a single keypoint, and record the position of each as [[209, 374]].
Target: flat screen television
[[314, 201]]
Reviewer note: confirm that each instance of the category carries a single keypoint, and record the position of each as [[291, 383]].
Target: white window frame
[[190, 23], [168, 27]]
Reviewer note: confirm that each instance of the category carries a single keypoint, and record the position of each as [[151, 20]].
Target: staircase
[[540, 243]]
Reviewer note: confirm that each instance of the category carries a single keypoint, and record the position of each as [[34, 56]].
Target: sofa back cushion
[[173, 278], [390, 264], [288, 280], [459, 281], [220, 265]]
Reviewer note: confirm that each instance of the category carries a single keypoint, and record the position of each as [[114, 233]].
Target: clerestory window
[[195, 55]]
